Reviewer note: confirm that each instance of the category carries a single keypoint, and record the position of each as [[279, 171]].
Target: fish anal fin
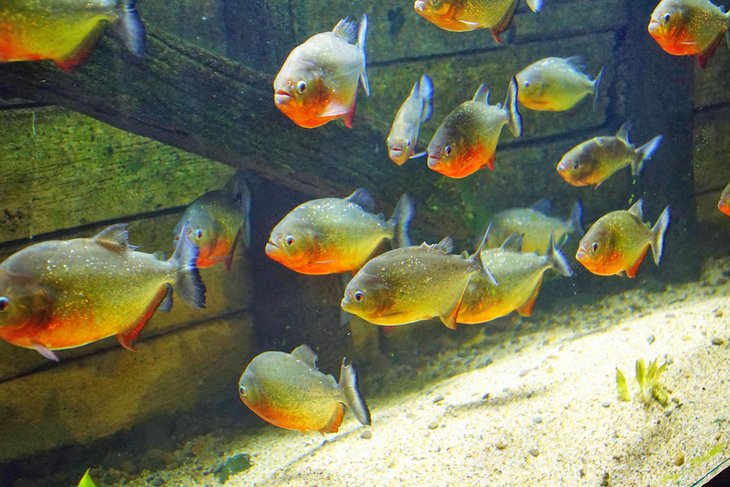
[[350, 115], [130, 335], [490, 162], [705, 55], [529, 305], [335, 421], [631, 273], [82, 52], [505, 23]]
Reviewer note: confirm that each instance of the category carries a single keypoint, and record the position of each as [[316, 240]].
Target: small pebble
[[651, 339], [606, 404], [485, 396], [367, 434], [501, 445], [537, 420], [718, 313], [679, 459], [438, 399], [534, 452], [524, 372], [433, 425], [717, 341]]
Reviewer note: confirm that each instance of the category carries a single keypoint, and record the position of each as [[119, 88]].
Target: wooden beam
[[184, 96]]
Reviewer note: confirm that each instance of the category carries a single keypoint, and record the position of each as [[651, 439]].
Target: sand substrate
[[540, 408]]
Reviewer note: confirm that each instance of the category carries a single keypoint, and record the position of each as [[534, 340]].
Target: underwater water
[[212, 216]]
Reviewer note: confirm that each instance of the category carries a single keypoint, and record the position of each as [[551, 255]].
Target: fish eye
[[198, 233], [408, 143], [242, 391], [289, 240], [447, 150], [359, 296], [526, 84], [575, 165], [301, 87], [4, 303], [666, 18], [594, 246]]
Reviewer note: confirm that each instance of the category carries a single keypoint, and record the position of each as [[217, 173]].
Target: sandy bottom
[[535, 408]]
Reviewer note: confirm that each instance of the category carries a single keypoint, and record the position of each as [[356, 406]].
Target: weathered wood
[[711, 150], [660, 102], [201, 22], [78, 401], [396, 32], [457, 77], [712, 84], [62, 169], [191, 99], [227, 292]]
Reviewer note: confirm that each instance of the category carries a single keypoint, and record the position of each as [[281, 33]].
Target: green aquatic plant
[[86, 480], [648, 380], [236, 464], [623, 388]]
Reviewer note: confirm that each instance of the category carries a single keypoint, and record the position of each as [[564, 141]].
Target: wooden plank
[[397, 32], [711, 149], [456, 78], [227, 292], [78, 401], [62, 169], [189, 98], [712, 84]]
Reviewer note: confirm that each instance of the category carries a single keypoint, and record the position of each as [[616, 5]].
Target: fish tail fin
[[514, 119], [240, 191], [350, 387], [535, 5], [131, 29], [575, 220], [188, 283], [557, 259], [476, 257], [361, 42], [401, 219], [596, 83], [658, 232], [643, 154], [425, 92]]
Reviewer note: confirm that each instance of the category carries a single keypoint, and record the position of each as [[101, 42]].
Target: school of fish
[[62, 294]]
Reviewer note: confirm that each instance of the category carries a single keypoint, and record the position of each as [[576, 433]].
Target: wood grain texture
[[75, 402]]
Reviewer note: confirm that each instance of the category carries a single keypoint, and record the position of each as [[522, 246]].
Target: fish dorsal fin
[[482, 94], [362, 198], [513, 242], [543, 206], [346, 30], [305, 355], [114, 237], [576, 62], [445, 246], [637, 209], [623, 132]]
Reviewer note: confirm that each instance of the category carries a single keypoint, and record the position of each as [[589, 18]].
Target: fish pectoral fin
[[334, 109], [45, 351], [470, 24], [82, 52], [114, 237], [529, 305]]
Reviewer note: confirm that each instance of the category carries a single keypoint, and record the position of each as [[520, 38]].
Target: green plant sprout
[[648, 380]]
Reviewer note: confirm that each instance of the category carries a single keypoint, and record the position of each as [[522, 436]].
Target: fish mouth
[[345, 303], [419, 6], [282, 97], [272, 249], [654, 27], [433, 160], [581, 255]]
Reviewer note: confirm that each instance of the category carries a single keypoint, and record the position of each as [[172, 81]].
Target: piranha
[[467, 15], [689, 28], [288, 391], [217, 221], [467, 139], [318, 81], [416, 110], [333, 235], [535, 227], [555, 84], [65, 31], [724, 204], [617, 242], [595, 160], [64, 294], [412, 284], [520, 277]]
